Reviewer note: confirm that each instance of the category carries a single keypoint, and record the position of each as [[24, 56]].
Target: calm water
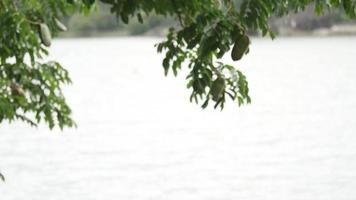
[[140, 138]]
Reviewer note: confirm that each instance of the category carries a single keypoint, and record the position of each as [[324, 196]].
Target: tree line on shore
[[101, 23]]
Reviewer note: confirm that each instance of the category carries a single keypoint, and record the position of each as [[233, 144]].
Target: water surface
[[140, 138]]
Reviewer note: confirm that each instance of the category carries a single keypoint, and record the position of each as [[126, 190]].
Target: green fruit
[[45, 34], [217, 89], [240, 47], [59, 25], [16, 89]]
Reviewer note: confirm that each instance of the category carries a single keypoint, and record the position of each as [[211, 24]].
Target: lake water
[[139, 138]]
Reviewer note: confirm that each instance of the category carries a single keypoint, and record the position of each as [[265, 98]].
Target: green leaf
[[2, 177]]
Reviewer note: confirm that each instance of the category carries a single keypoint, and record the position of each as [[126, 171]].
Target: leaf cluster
[[30, 86], [208, 30]]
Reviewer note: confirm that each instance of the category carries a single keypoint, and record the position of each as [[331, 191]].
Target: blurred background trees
[[101, 23]]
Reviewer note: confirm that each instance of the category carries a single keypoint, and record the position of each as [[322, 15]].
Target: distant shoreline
[[335, 30]]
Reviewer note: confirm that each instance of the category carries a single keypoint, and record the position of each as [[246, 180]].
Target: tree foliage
[[30, 86]]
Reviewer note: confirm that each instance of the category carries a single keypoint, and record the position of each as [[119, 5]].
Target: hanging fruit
[[45, 34], [60, 25], [217, 89], [16, 89], [240, 48]]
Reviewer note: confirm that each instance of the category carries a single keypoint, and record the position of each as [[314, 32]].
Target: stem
[[2, 4], [178, 13], [14, 5], [32, 22], [216, 71]]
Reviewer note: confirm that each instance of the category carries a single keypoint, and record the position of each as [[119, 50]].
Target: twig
[[32, 22], [178, 13], [216, 71], [14, 5]]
